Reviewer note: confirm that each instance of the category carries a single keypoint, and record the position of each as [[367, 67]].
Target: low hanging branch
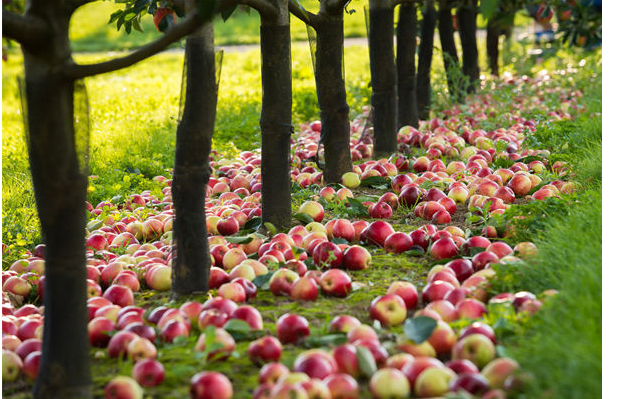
[[27, 30], [76, 71]]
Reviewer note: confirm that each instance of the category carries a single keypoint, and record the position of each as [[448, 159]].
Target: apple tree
[[425, 53], [467, 19], [446, 31], [406, 33], [59, 171], [383, 76], [328, 60]]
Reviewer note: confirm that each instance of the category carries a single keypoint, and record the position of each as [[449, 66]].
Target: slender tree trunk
[[191, 262], [332, 96], [467, 17], [276, 116], [449, 50], [407, 30], [60, 183], [425, 53], [493, 33], [383, 77]]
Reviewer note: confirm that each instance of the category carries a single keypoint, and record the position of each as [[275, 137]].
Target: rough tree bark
[[407, 30], [330, 85], [383, 77], [449, 50], [467, 18], [276, 115], [425, 53], [60, 192], [60, 182], [191, 262]]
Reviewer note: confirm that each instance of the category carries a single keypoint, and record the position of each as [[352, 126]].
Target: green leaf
[[488, 8], [532, 158], [303, 217], [237, 326], [253, 223], [262, 282], [357, 207], [374, 181], [366, 361], [339, 240], [416, 250], [270, 228], [419, 329], [239, 240], [137, 25], [476, 250], [327, 340], [502, 351], [115, 15]]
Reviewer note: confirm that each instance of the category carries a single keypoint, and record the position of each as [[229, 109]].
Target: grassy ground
[[133, 120]]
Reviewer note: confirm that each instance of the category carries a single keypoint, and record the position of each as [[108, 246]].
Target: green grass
[[90, 30]]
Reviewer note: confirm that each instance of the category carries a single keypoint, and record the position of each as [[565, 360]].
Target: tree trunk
[[493, 33], [467, 17], [276, 117], [60, 183], [449, 50], [407, 30], [383, 77], [425, 53], [191, 261], [332, 96]]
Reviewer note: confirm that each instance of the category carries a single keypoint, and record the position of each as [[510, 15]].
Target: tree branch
[[335, 6], [75, 71], [27, 30], [264, 8], [304, 15]]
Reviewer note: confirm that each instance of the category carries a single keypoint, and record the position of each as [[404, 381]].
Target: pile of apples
[[129, 248]]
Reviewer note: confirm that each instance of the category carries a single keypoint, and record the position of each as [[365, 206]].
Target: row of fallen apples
[[454, 290]]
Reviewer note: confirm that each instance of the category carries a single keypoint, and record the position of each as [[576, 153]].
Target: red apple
[[211, 385], [118, 344], [336, 283], [327, 254], [356, 258], [398, 242], [342, 386], [304, 288], [250, 315], [389, 309], [292, 328], [123, 387], [376, 233], [407, 291], [265, 349], [148, 372], [316, 364], [271, 372], [389, 383], [99, 331], [343, 323], [444, 248]]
